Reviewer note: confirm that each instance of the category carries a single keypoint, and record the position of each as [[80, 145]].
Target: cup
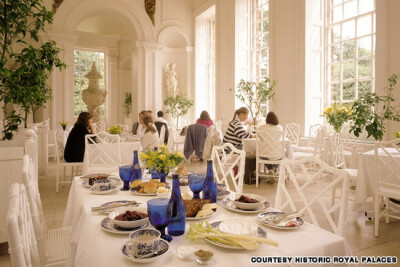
[[143, 242]]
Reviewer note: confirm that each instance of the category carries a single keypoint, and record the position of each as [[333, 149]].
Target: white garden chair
[[61, 163], [53, 245], [102, 153], [311, 140], [293, 193], [292, 132], [228, 167], [270, 149], [387, 182]]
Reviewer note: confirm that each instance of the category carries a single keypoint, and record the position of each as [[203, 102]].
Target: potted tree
[[127, 108], [253, 95], [24, 64], [178, 106]]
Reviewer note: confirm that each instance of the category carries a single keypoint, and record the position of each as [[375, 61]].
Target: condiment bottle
[[178, 220], [210, 187], [137, 171]]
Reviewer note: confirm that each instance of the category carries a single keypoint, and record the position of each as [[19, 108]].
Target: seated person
[[150, 138], [75, 146], [235, 132], [138, 128], [160, 118], [205, 119]]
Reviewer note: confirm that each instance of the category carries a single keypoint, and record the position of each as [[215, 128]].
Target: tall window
[[83, 60], [260, 43], [211, 66], [350, 49]]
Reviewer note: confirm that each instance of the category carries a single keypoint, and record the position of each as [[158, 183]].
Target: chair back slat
[[292, 132], [102, 152], [293, 192], [228, 166], [270, 144], [387, 155]]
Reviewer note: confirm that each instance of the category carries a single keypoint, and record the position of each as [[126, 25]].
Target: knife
[[102, 208]]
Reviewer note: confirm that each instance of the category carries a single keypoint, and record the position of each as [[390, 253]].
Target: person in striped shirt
[[235, 132]]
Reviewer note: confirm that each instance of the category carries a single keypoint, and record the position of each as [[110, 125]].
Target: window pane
[[364, 68], [349, 91], [348, 30], [335, 2], [335, 72], [364, 26], [334, 53], [337, 14], [365, 6], [335, 92], [350, 9], [349, 70], [364, 87], [364, 46], [335, 34], [348, 50]]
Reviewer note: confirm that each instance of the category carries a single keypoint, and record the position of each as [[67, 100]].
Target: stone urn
[[93, 96]]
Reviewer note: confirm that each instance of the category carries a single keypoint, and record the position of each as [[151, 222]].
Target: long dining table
[[92, 246]]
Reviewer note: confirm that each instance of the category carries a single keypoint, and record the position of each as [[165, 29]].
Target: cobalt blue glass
[[137, 171], [159, 211], [126, 174], [178, 220], [196, 183], [210, 187]]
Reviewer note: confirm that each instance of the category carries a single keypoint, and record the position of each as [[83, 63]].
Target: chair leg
[[257, 173], [376, 211], [58, 178], [387, 209]]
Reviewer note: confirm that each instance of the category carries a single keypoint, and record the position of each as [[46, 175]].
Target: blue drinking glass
[[196, 183], [126, 174], [160, 212]]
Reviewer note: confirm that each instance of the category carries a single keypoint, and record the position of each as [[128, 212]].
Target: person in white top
[[272, 122], [138, 127], [160, 118], [150, 138]]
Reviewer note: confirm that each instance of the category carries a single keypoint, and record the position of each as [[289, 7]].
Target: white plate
[[228, 204], [263, 218], [136, 193], [109, 226], [200, 218], [87, 176], [116, 202], [239, 227], [114, 181], [260, 233], [163, 248], [105, 192]]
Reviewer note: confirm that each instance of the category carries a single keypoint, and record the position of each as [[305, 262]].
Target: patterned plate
[[109, 226], [163, 248], [116, 202], [114, 181], [228, 204], [200, 218], [105, 192], [265, 219], [136, 193], [260, 233]]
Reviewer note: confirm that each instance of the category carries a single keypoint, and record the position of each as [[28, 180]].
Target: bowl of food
[[247, 201], [131, 218]]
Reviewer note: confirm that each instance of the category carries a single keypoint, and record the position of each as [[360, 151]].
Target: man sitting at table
[[160, 118]]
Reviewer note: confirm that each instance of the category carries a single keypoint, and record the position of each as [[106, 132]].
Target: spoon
[[150, 254]]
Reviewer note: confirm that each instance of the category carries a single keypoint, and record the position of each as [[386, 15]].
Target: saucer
[[105, 192], [228, 204], [163, 248], [109, 226], [264, 218], [114, 181]]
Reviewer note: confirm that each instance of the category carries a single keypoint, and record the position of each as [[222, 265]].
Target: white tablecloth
[[250, 146], [92, 246], [365, 184]]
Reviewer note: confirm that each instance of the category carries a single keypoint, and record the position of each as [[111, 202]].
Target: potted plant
[[253, 95], [64, 125], [127, 104], [25, 70], [337, 115], [371, 112], [178, 106], [115, 129]]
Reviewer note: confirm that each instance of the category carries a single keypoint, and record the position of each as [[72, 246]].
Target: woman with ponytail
[[235, 132], [150, 138]]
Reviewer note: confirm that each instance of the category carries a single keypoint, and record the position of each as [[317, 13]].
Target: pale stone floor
[[359, 232]]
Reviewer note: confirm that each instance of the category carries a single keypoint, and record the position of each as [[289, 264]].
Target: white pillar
[[113, 109]]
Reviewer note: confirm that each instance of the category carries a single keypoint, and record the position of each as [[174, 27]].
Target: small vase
[[159, 175], [64, 127]]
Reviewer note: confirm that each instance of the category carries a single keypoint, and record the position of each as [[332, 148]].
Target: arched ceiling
[[102, 25]]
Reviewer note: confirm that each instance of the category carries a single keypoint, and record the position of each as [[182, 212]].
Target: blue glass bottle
[[137, 171], [154, 173], [210, 187], [178, 220]]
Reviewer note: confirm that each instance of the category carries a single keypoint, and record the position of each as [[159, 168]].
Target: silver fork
[[285, 216]]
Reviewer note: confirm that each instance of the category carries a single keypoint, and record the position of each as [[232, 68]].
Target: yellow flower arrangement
[[396, 134], [115, 129], [63, 123], [337, 115], [162, 159]]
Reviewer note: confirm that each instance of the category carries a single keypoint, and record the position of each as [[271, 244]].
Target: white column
[[190, 81], [113, 109]]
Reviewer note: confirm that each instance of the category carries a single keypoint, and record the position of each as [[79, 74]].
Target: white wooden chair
[[51, 146], [293, 193], [162, 134], [292, 132], [228, 167], [312, 139], [387, 182], [61, 163], [175, 141], [102, 153], [53, 245], [317, 146], [270, 149], [22, 244]]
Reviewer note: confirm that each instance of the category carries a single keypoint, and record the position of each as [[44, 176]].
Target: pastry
[[194, 205], [135, 184]]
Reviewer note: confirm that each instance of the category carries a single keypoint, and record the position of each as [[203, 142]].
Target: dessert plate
[[163, 248], [260, 233], [114, 181], [136, 193], [200, 218], [105, 192], [116, 202], [228, 204], [109, 226], [266, 218]]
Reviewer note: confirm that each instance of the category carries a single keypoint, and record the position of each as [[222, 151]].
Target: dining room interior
[[186, 132]]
